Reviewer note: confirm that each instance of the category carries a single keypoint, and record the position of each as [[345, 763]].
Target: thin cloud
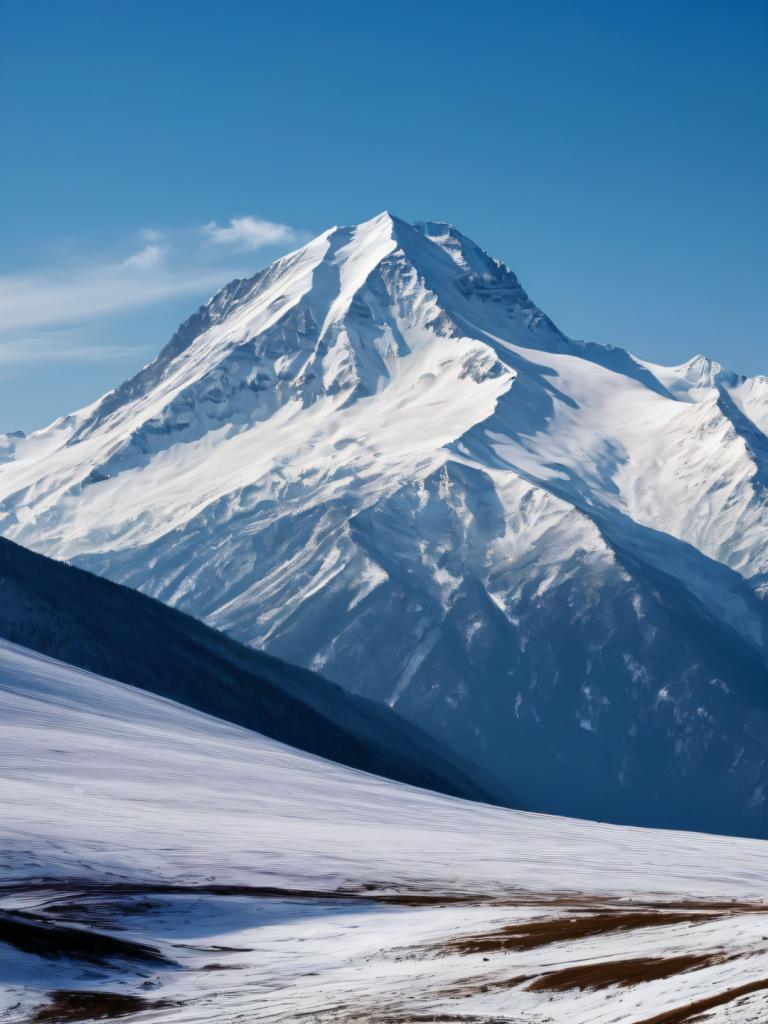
[[167, 265], [150, 256], [249, 233], [83, 293], [59, 347]]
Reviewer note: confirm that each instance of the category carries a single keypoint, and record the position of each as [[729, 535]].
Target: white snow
[[102, 784], [627, 443], [649, 442], [85, 763], [382, 419]]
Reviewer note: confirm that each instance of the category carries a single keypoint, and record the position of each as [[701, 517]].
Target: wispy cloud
[[82, 293], [58, 347], [168, 265], [249, 233], [151, 255]]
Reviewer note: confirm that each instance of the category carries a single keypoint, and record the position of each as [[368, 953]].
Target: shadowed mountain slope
[[94, 624]]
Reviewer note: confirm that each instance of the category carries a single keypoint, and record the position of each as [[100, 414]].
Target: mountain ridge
[[383, 451], [88, 622]]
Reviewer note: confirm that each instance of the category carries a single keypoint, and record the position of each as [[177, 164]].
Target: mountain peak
[[703, 372], [384, 217], [330, 318], [378, 458]]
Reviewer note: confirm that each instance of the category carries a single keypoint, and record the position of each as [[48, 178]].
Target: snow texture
[[129, 815], [379, 459]]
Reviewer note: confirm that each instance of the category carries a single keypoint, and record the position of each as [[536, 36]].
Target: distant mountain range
[[94, 624], [379, 459]]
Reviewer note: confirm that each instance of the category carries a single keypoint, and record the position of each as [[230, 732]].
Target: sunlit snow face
[[380, 459]]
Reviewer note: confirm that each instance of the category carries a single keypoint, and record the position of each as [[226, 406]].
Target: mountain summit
[[380, 459]]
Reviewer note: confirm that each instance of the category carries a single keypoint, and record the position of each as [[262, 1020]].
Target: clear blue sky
[[614, 154]]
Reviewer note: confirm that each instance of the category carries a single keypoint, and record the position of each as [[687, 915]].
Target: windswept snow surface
[[99, 626], [379, 459], [125, 784], [128, 815]]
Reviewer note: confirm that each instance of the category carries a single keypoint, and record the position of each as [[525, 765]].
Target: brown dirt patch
[[564, 929], [691, 1011], [622, 972], [468, 987]]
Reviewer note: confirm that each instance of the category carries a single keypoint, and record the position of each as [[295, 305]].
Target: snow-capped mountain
[[379, 459]]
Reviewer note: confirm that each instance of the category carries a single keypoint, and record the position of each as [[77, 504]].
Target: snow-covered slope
[[245, 880], [102, 779], [380, 459], [95, 624]]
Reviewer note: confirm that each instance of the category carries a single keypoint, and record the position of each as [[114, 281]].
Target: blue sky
[[614, 154]]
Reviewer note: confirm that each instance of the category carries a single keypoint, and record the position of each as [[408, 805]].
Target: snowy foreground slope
[[158, 861], [94, 624], [379, 459]]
